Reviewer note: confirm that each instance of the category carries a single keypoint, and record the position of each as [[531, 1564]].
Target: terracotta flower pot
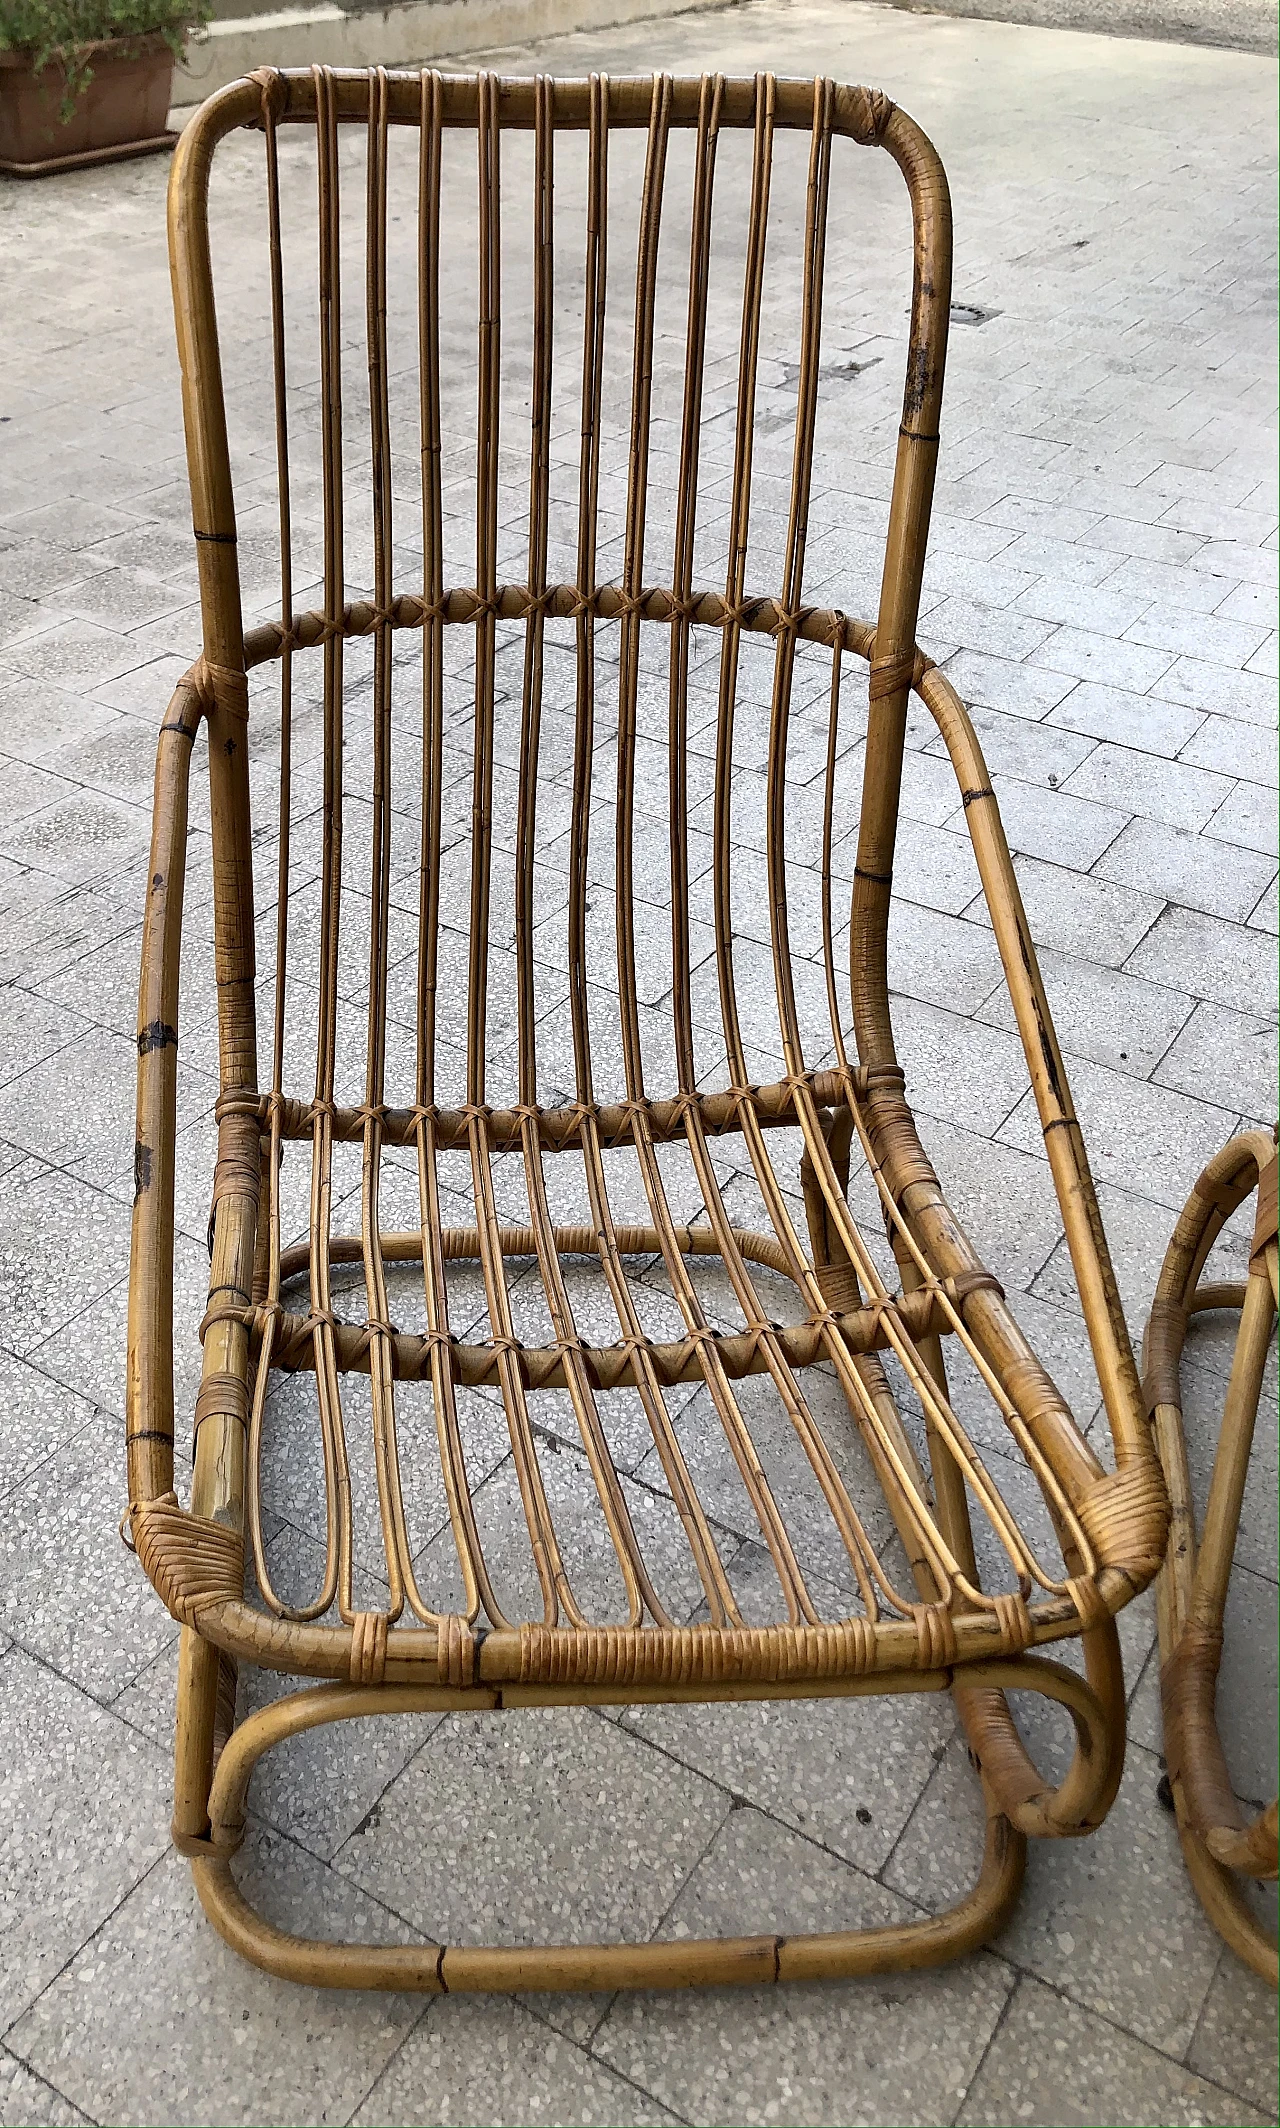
[[122, 112]]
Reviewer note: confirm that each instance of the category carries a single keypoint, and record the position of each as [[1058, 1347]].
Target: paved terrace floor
[[1102, 589]]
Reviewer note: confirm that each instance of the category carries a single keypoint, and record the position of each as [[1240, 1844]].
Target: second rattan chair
[[552, 852], [1219, 1844]]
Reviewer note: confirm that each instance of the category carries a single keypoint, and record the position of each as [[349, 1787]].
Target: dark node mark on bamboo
[[878, 879], [1049, 1054], [142, 1160], [972, 797], [216, 539], [917, 384], [158, 1034]]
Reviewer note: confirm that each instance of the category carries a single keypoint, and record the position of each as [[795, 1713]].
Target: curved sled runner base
[[459, 1969]]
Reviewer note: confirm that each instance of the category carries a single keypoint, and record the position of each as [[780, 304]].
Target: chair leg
[[434, 1969], [199, 1674]]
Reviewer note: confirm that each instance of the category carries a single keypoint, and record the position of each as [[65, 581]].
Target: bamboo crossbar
[[485, 798]]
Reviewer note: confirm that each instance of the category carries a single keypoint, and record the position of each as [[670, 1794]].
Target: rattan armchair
[[617, 1042], [1219, 1844]]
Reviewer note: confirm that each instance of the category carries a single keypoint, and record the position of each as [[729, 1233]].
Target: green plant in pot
[[85, 81]]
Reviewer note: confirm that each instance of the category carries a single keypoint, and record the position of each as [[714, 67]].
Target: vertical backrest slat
[[682, 565], [476, 1586], [535, 624], [556, 1593], [327, 1389], [595, 279], [329, 1579], [736, 572], [633, 565], [395, 1537], [815, 238]]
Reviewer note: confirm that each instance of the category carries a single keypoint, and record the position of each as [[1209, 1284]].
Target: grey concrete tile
[[758, 1878], [86, 1809], [1080, 914], [934, 868], [39, 1414], [1235, 2042], [1055, 824], [1017, 746], [1003, 1198], [28, 788], [1159, 790], [876, 1756], [71, 1593], [1059, 559], [62, 1244], [1104, 658], [89, 1128], [1223, 1056], [1106, 609], [1194, 870], [32, 1030], [74, 654], [83, 837], [1056, 521], [481, 2059], [87, 1351], [318, 1787], [1221, 691], [1266, 913], [598, 1830], [1157, 543], [1114, 1923], [226, 2044], [1247, 1680], [1234, 749], [1109, 1017], [1000, 683], [19, 618], [1137, 1232], [1247, 816], [123, 599], [1250, 603], [1233, 560], [1132, 720], [849, 2055], [1218, 521], [43, 723], [955, 1071], [994, 630], [933, 957], [1191, 585], [1225, 963], [1051, 2062], [73, 521], [26, 2101], [34, 568], [928, 789], [1196, 635], [1140, 1136]]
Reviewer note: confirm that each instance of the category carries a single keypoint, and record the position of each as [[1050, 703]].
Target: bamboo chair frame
[[1191, 1593], [948, 1632]]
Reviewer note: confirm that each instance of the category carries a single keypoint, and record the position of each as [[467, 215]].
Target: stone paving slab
[[1101, 587]]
